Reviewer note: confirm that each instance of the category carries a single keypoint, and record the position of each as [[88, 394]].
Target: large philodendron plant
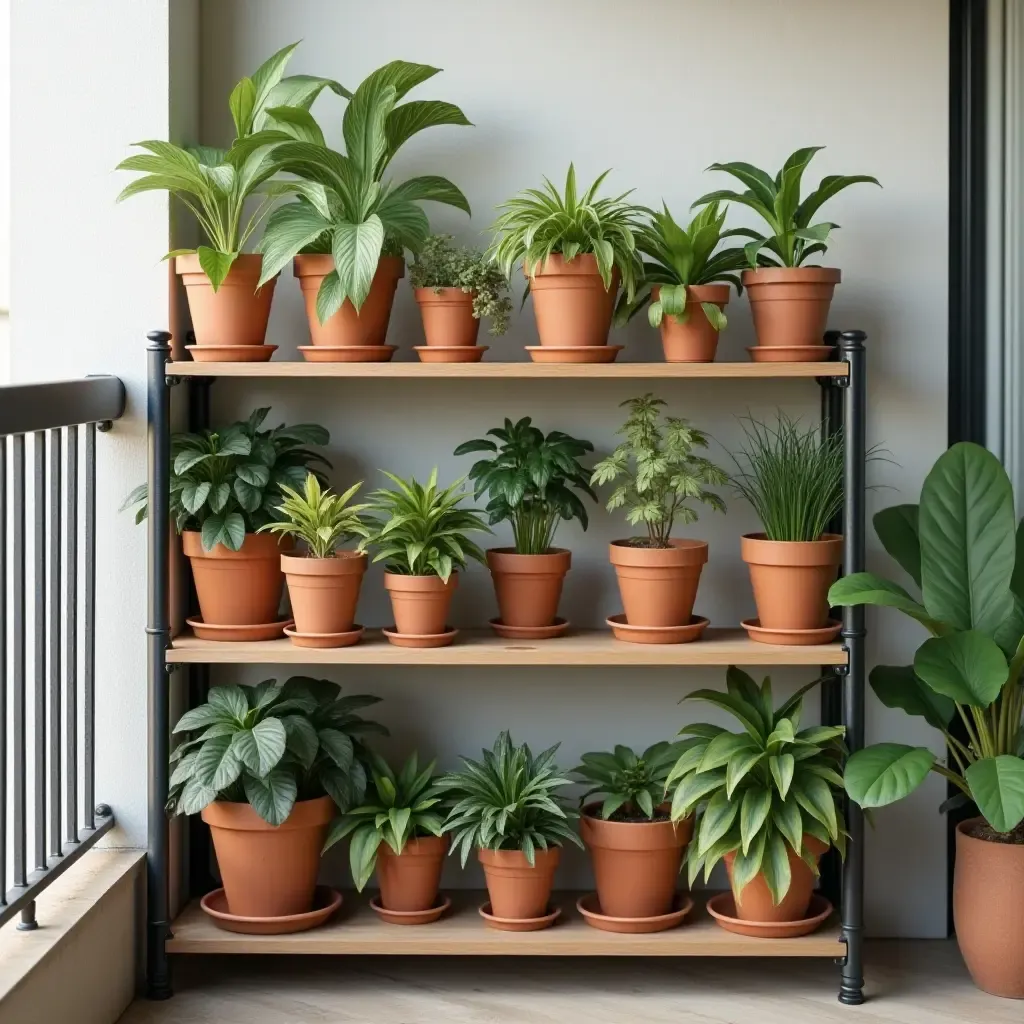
[[960, 549]]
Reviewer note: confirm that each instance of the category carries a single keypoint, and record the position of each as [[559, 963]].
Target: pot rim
[[255, 547], [582, 264], [719, 294], [341, 563], [791, 275], [240, 817], [516, 859], [509, 560], [246, 263], [757, 549], [682, 551], [445, 296], [419, 846], [320, 264], [961, 830], [591, 824], [428, 584]]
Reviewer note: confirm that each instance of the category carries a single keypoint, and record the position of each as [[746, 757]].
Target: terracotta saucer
[[656, 634], [348, 353], [321, 640], [573, 353], [790, 353], [450, 353], [590, 909], [325, 902], [231, 353], [238, 634], [420, 640], [411, 916], [792, 637], [722, 908], [519, 924], [557, 628]]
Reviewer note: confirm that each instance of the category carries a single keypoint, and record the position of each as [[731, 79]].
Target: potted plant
[[575, 251], [225, 485], [455, 289], [789, 301], [507, 805], [268, 766], [635, 847], [686, 282], [422, 536], [769, 802], [532, 481], [400, 833], [348, 228], [324, 582], [229, 296], [958, 548], [793, 478], [657, 472]]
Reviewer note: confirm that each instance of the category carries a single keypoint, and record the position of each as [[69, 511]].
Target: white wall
[[658, 89]]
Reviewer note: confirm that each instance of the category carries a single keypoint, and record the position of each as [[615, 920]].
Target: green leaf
[[753, 814], [886, 772], [202, 717], [262, 747], [216, 764], [898, 686], [432, 187], [362, 855], [242, 101], [301, 739], [967, 667], [1017, 579], [296, 122], [273, 797], [718, 817], [215, 264], [338, 747], [897, 530], [782, 768], [409, 118], [997, 786], [356, 249], [817, 799], [715, 316], [775, 867], [867, 588], [231, 700], [363, 124], [289, 229], [330, 297]]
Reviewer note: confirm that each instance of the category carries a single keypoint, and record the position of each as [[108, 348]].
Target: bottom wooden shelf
[[356, 930]]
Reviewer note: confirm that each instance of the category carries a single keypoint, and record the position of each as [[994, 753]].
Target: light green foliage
[[656, 471], [270, 745], [629, 785], [761, 790], [321, 520]]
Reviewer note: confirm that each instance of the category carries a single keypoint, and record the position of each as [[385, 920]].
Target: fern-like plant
[[323, 521]]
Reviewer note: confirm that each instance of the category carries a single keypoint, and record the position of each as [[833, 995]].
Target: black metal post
[[55, 649], [89, 634], [158, 636], [71, 640]]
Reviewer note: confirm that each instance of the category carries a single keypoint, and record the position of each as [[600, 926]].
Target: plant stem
[[952, 777], [971, 734]]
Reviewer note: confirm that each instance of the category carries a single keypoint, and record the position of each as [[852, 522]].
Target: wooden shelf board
[[481, 647], [356, 930]]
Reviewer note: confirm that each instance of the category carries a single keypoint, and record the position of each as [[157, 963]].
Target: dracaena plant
[[400, 807], [632, 787], [345, 207], [228, 482], [759, 792], [960, 549], [323, 521], [270, 745], [532, 481], [537, 223], [793, 236], [509, 800], [214, 184], [422, 530], [657, 471]]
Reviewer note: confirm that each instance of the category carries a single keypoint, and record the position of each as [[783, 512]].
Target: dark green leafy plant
[[531, 481], [656, 471], [793, 238], [761, 790], [402, 807], [508, 801], [270, 745], [321, 520], [632, 787], [227, 483]]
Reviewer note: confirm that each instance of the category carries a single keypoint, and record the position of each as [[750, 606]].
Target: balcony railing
[[48, 811]]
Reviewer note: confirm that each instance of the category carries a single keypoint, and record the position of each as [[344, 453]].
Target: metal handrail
[[26, 408]]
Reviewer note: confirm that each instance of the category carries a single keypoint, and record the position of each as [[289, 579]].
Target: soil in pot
[[409, 881], [420, 603], [528, 587], [694, 340], [658, 585], [754, 903], [447, 316], [790, 304], [572, 306], [324, 592], [518, 891]]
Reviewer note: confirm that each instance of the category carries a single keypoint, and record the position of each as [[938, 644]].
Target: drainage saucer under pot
[[590, 909], [427, 916], [325, 902]]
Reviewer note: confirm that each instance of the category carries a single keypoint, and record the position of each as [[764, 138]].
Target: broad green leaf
[[231, 700], [753, 814], [216, 764], [330, 297], [273, 797], [356, 249], [967, 667], [215, 264], [867, 588], [997, 786], [409, 118], [898, 686], [296, 122], [886, 772], [432, 187], [338, 747], [896, 528], [775, 867], [242, 101], [289, 229], [203, 716], [363, 124], [716, 821], [782, 767], [262, 747], [817, 799]]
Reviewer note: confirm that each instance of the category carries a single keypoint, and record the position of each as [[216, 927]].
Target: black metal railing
[[48, 811]]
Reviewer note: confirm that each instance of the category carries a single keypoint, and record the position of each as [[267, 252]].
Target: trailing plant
[[423, 531], [792, 237], [323, 521], [439, 264], [214, 184], [508, 801], [657, 471], [759, 791], [632, 787], [229, 482], [344, 205], [531, 480], [401, 807], [538, 222], [270, 745], [959, 548]]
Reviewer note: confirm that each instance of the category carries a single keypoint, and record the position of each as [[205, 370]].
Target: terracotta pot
[[570, 301], [790, 304], [791, 579], [348, 328], [324, 592], [988, 911], [658, 585], [409, 881], [695, 340], [238, 588], [234, 315], [754, 903], [528, 587], [268, 871], [517, 890], [636, 863], [420, 603], [447, 316]]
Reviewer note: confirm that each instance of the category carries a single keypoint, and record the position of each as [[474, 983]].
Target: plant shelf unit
[[356, 930]]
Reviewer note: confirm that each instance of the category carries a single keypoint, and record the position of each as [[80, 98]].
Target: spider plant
[[321, 520]]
